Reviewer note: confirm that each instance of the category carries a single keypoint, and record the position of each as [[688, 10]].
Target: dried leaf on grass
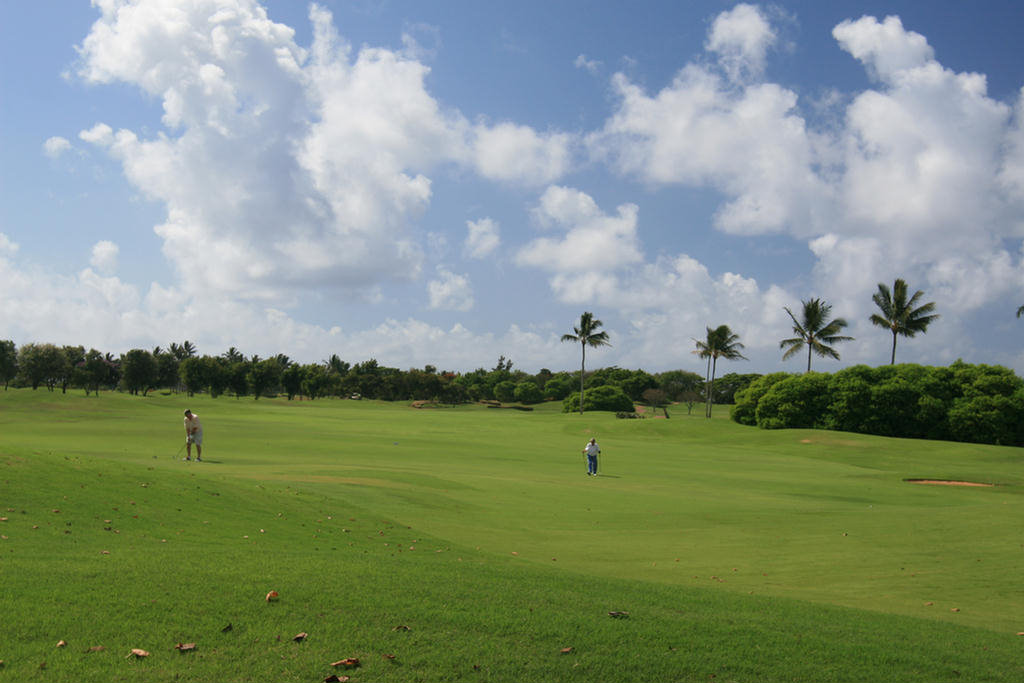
[[185, 647], [388, 656], [619, 615], [565, 650], [272, 595], [62, 643], [335, 678], [137, 653], [299, 637], [347, 663], [401, 628]]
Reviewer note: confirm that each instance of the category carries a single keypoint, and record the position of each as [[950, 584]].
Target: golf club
[[178, 454]]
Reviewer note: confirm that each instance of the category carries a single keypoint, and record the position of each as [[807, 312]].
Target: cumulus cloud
[[104, 256], [591, 242], [513, 152], [482, 238], [741, 38], [319, 157], [7, 247], [450, 291], [55, 146]]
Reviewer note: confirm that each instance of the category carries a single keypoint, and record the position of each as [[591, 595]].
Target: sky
[[445, 183]]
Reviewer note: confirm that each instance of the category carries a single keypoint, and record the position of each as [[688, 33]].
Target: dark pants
[[591, 464]]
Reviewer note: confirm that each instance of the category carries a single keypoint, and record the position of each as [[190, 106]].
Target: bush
[[796, 401], [745, 409], [528, 392], [607, 397], [505, 391], [989, 419]]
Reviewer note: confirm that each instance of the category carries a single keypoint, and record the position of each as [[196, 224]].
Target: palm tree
[[1020, 311], [720, 343], [814, 332], [901, 315], [587, 335]]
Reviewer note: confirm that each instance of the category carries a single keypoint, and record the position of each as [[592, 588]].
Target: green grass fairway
[[467, 544]]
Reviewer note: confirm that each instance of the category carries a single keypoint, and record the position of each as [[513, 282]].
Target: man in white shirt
[[591, 450], [193, 435]]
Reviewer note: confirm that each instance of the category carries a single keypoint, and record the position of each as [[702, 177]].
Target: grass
[[739, 554]]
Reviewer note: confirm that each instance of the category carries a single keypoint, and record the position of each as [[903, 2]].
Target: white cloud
[[590, 246], [583, 62], [104, 256], [482, 238], [55, 146], [885, 48], [450, 291], [7, 247], [518, 153], [741, 38]]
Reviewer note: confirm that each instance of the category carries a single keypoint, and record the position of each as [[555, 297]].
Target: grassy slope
[[478, 529]]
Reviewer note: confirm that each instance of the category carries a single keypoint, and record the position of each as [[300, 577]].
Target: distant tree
[[238, 381], [192, 372], [8, 361], [558, 386], [656, 398], [505, 391], [689, 397], [528, 392], [217, 376], [586, 334], [95, 371], [900, 315], [720, 342], [233, 355], [138, 371], [166, 369], [1020, 311], [263, 376], [291, 380], [73, 356], [815, 331], [677, 382], [41, 364], [183, 351], [315, 380]]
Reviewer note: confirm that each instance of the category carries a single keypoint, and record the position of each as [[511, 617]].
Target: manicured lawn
[[738, 553]]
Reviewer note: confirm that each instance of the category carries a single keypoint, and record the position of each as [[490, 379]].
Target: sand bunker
[[947, 482]]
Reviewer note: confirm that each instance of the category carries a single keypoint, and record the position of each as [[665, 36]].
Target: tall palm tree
[[901, 315], [720, 342], [815, 331], [587, 335]]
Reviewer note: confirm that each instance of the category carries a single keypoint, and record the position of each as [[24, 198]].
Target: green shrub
[[745, 409], [796, 401], [607, 397], [528, 392]]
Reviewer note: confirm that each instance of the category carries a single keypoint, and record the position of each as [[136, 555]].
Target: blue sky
[[444, 183]]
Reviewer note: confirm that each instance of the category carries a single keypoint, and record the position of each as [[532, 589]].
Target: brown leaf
[[299, 637], [62, 643], [348, 662], [137, 653], [388, 656], [1020, 633], [565, 650], [619, 615], [272, 595], [335, 678], [955, 609], [185, 647], [401, 628]]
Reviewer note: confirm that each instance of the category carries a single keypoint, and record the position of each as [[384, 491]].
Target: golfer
[[591, 450], [193, 435]]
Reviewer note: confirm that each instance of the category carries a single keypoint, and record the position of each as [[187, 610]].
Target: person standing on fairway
[[591, 450], [193, 435]]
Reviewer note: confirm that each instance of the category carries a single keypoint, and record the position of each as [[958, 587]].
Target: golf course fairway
[[467, 544]]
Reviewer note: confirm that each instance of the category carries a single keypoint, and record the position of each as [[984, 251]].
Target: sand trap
[[947, 482]]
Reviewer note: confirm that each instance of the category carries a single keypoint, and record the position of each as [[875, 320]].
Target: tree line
[[180, 368]]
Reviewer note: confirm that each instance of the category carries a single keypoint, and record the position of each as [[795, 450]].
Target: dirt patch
[[947, 482]]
